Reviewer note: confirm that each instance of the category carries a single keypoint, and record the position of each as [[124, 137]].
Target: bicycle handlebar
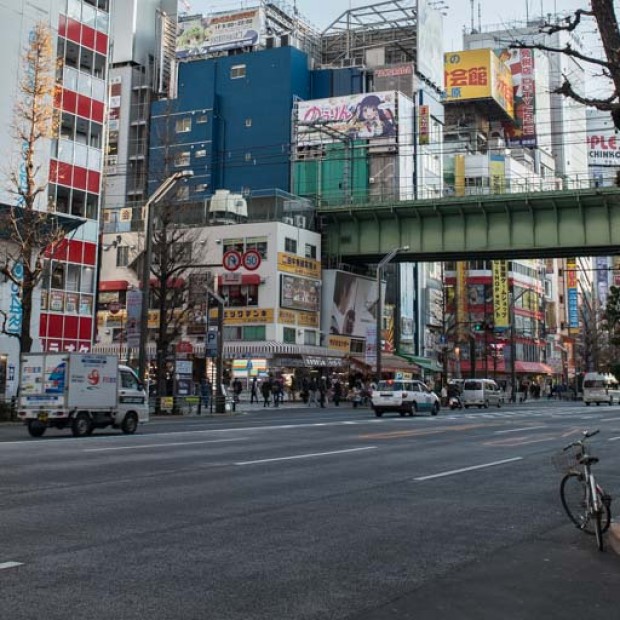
[[586, 435]]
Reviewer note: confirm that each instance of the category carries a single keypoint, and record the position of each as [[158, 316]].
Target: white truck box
[[81, 390]]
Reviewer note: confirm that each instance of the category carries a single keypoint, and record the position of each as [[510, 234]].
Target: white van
[[405, 397], [481, 393], [600, 388]]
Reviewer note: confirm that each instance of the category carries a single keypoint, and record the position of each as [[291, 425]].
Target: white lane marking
[[162, 445], [465, 469], [610, 420], [519, 430], [10, 565], [614, 439], [305, 456]]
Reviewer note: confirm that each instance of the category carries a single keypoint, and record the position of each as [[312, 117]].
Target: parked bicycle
[[585, 502]]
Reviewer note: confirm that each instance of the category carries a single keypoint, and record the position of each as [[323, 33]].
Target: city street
[[302, 513]]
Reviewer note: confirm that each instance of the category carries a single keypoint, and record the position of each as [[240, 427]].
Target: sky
[[494, 12]]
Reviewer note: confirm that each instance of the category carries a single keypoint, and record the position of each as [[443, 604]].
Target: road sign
[[231, 260], [251, 260], [185, 347], [211, 343]]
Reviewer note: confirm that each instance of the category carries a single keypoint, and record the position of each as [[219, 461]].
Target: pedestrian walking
[[337, 387], [237, 389], [322, 389], [312, 389], [254, 391], [265, 389]]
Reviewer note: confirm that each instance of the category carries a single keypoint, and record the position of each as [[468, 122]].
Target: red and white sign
[[231, 260], [185, 347], [231, 279], [251, 260]]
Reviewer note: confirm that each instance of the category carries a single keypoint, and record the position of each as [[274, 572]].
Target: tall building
[[71, 163]]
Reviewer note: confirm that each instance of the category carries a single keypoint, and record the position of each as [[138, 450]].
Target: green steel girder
[[543, 224]]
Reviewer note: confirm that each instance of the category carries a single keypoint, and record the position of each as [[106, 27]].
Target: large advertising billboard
[[573, 295], [349, 303], [522, 130], [299, 294], [478, 74], [429, 43], [198, 35], [369, 116]]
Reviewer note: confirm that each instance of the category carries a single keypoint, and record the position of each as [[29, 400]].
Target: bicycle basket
[[566, 461]]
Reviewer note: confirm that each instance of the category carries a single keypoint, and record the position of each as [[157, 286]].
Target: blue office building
[[231, 120]]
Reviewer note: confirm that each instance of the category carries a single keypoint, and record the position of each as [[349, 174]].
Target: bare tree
[[171, 265], [602, 12], [34, 233]]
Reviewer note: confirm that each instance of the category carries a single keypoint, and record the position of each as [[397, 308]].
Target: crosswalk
[[543, 412]]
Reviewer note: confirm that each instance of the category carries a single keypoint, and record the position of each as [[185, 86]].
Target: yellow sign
[[243, 316], [459, 175], [339, 343], [461, 297], [308, 319], [478, 74], [288, 317], [501, 308], [290, 263], [497, 172]]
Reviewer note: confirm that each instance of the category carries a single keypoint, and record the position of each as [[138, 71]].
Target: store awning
[[423, 362], [389, 363], [113, 285], [534, 368]]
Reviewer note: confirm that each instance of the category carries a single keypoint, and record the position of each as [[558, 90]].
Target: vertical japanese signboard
[[134, 315], [573, 295], [501, 308]]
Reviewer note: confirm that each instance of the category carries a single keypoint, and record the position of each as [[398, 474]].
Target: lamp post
[[154, 198], [382, 263]]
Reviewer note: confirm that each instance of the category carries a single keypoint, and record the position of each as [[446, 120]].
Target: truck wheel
[[82, 425], [129, 425], [36, 428]]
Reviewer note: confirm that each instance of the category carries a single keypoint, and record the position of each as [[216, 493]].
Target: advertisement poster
[[429, 42], [354, 304], [497, 170], [602, 279], [198, 35], [299, 294], [355, 117], [522, 130]]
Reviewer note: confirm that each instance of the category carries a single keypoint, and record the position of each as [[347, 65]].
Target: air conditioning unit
[[371, 180], [300, 221], [289, 220]]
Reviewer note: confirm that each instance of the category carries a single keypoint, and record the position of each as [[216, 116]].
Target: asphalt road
[[305, 514]]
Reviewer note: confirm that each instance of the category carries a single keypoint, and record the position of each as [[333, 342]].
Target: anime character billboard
[[367, 116]]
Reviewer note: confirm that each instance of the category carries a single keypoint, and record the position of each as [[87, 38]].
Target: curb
[[614, 537]]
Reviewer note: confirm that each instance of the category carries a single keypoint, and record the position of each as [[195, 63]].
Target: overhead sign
[[429, 42], [501, 308], [231, 260], [211, 343], [298, 265], [134, 315]]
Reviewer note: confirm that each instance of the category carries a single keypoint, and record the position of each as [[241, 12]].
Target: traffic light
[[483, 326]]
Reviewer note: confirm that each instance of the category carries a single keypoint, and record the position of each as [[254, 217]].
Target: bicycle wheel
[[575, 501]]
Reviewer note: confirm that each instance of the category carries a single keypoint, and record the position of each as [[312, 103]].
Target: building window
[[309, 337], [183, 125], [237, 72], [290, 335], [200, 153], [248, 157], [241, 296], [310, 251], [182, 159], [182, 192], [254, 332], [248, 122], [233, 333], [122, 256], [202, 119], [257, 243], [201, 187], [290, 245]]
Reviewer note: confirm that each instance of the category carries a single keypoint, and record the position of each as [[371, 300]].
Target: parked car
[[404, 397], [482, 393]]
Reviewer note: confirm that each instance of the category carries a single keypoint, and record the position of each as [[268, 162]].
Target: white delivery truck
[[82, 391]]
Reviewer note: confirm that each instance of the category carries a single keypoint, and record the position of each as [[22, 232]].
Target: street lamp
[[154, 198], [382, 263]]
